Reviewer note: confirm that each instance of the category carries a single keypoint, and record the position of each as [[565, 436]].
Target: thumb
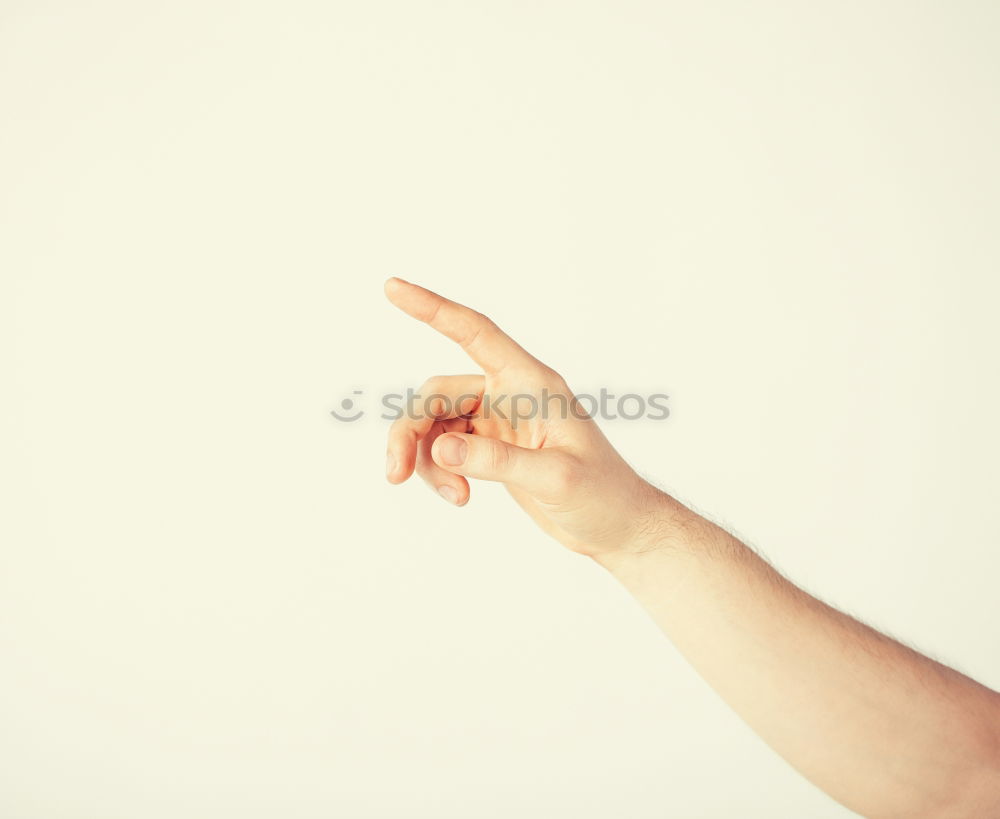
[[542, 472]]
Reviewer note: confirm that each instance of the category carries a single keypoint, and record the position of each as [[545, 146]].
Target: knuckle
[[401, 429], [553, 379], [432, 397], [497, 458], [432, 385], [480, 325]]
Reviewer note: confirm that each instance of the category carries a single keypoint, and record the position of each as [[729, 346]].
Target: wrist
[[656, 523]]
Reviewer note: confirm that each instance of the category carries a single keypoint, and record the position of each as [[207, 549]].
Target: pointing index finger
[[489, 346]]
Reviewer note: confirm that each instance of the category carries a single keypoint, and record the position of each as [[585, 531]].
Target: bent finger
[[453, 488], [440, 398]]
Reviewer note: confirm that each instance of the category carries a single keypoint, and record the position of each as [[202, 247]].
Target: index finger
[[489, 346]]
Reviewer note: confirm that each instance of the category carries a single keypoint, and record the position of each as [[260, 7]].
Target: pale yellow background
[[785, 215]]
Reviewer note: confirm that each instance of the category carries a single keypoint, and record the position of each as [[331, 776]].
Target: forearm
[[881, 728]]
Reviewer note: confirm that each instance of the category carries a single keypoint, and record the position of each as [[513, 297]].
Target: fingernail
[[390, 464], [452, 450], [449, 494]]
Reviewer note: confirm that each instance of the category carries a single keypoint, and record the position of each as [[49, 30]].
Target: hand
[[519, 424]]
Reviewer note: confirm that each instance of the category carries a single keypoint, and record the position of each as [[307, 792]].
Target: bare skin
[[879, 727]]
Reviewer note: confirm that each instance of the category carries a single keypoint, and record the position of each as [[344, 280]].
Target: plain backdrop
[[783, 215]]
